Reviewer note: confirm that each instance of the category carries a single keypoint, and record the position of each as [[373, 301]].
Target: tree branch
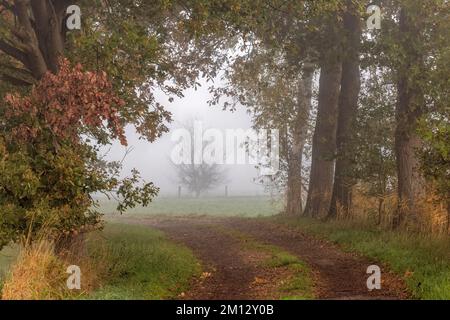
[[15, 69], [12, 51], [16, 81]]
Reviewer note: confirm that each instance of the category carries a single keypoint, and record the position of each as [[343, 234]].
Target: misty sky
[[153, 159]]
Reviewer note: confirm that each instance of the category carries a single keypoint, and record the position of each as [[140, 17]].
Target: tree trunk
[[348, 106], [38, 39], [49, 28], [408, 111], [410, 181], [324, 140], [294, 205], [294, 182]]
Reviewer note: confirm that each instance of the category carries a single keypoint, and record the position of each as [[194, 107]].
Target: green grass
[[231, 206], [143, 264], [300, 286], [423, 262]]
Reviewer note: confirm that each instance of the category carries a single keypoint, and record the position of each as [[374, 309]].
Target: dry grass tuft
[[37, 274], [40, 271]]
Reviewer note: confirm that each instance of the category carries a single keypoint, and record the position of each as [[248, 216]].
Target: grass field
[[231, 206], [423, 262]]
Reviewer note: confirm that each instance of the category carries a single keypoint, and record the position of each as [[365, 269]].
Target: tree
[[136, 44], [374, 167], [409, 109], [197, 175], [300, 32], [295, 180], [434, 127], [347, 111], [324, 140], [49, 169], [128, 52], [198, 178], [33, 33], [277, 95], [414, 45]]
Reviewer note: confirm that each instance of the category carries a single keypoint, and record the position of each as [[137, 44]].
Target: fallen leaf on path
[[259, 281]]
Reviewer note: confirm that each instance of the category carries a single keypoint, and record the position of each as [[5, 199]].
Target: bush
[[49, 163]]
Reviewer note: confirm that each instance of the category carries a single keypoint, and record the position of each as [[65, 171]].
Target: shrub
[[49, 162]]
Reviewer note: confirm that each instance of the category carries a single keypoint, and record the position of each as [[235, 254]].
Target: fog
[[153, 159]]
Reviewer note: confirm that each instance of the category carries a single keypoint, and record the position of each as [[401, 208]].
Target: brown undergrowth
[[433, 216]]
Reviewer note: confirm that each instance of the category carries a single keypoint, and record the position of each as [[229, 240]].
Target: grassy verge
[[121, 262], [423, 262], [143, 264]]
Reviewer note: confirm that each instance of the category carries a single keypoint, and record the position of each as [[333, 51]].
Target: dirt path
[[226, 275], [340, 275], [230, 270]]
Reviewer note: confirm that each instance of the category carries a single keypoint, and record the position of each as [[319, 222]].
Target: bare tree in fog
[[198, 178]]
